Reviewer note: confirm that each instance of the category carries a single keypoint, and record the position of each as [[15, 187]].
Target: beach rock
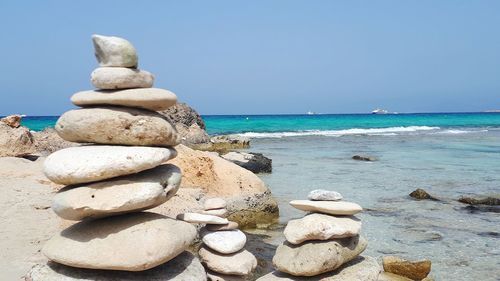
[[316, 257], [488, 200], [114, 51], [184, 267], [147, 98], [327, 207], [192, 135], [15, 142], [48, 141], [225, 242], [214, 276], [112, 78], [239, 263], [201, 218], [364, 158], [227, 143], [321, 227], [215, 203], [249, 200], [188, 123], [132, 242], [124, 194], [324, 195], [222, 227], [223, 213], [116, 125], [387, 276], [13, 121], [93, 163], [254, 162], [359, 269], [415, 270], [421, 194]]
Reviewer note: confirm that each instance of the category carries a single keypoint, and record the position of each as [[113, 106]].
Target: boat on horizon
[[379, 111]]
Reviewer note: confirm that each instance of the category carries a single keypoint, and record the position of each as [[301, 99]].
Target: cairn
[[110, 181], [325, 244], [222, 252]]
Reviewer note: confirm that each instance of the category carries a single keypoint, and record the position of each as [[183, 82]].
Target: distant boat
[[311, 113], [380, 111]]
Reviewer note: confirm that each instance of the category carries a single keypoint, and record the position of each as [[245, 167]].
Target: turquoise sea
[[447, 154]]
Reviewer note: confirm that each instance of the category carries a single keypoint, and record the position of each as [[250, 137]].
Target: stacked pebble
[[222, 252], [324, 245], [121, 174]]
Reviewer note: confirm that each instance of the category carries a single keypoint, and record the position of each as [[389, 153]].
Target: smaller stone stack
[[113, 179], [222, 252], [325, 244]]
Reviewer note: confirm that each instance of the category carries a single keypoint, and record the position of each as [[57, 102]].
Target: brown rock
[[220, 227], [363, 158], [14, 121], [416, 270], [490, 201], [421, 194]]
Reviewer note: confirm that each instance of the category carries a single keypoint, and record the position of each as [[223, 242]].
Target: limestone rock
[[112, 78], [421, 194], [201, 218], [324, 195], [254, 162], [222, 227], [93, 163], [184, 267], [124, 194], [239, 263], [215, 203], [148, 98], [114, 51], [416, 270], [192, 135], [116, 125], [321, 227], [224, 242], [387, 276], [14, 121], [359, 269], [316, 257], [216, 212], [214, 276], [132, 242], [327, 207], [15, 141], [48, 141], [182, 113]]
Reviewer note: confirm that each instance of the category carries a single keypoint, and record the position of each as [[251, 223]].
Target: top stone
[[114, 51], [340, 208], [324, 195]]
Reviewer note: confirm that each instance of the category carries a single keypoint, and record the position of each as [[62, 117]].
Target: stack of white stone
[[222, 252], [324, 245], [119, 175]]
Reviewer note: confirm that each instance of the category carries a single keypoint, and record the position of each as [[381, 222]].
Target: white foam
[[337, 133], [457, 132]]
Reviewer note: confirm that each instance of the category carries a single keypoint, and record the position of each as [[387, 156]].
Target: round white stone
[[112, 78], [225, 242]]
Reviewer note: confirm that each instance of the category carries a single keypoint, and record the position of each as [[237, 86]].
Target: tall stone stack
[[325, 244], [113, 179], [222, 252]]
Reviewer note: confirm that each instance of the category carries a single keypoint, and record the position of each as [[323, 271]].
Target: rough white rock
[[239, 263], [327, 207], [321, 227], [132, 242], [225, 242], [201, 218], [83, 164], [324, 195], [114, 51], [148, 98], [124, 194], [112, 78], [215, 203]]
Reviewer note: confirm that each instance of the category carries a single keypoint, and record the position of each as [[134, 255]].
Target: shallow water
[[462, 244]]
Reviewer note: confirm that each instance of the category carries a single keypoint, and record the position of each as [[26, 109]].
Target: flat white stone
[[215, 203], [148, 98], [114, 51], [125, 194], [327, 207], [201, 218], [99, 162], [113, 78], [225, 242], [321, 227], [222, 227], [324, 195], [216, 212]]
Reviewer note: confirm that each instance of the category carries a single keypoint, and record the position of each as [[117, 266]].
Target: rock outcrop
[[254, 162], [15, 141], [188, 123]]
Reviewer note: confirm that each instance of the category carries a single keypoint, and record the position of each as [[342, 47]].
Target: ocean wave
[[337, 133], [458, 132]]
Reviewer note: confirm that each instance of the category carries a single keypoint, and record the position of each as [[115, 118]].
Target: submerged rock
[[112, 78], [316, 257], [132, 242], [421, 194], [415, 270], [254, 162], [114, 51], [184, 267], [490, 201], [364, 158]]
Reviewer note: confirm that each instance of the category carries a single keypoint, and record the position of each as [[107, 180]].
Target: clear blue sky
[[252, 57]]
